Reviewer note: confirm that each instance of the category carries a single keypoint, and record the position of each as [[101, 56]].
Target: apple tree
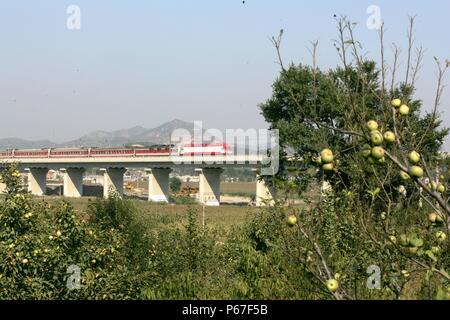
[[360, 128], [41, 241]]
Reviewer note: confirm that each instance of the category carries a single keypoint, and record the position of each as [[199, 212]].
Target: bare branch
[[396, 51], [442, 69], [420, 52], [277, 43], [410, 47], [383, 62]]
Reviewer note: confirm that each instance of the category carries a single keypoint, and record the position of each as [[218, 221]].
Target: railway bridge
[[158, 168]]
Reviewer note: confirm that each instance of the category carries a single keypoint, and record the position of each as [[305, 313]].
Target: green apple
[[404, 175], [413, 250], [404, 240], [372, 125], [432, 217], [377, 138], [441, 188], [292, 220], [416, 242], [383, 216], [328, 167], [393, 239], [405, 273], [333, 285], [327, 156], [378, 153], [441, 236], [436, 250], [396, 103], [381, 161], [440, 219], [433, 185], [366, 151], [414, 157], [416, 172], [389, 137], [404, 110]]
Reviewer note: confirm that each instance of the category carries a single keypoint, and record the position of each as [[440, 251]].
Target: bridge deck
[[139, 162]]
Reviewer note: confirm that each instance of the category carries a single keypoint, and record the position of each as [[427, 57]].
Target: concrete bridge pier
[[209, 186], [158, 184], [265, 194], [37, 181], [113, 181], [73, 182]]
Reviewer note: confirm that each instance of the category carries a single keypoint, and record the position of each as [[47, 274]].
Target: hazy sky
[[147, 62]]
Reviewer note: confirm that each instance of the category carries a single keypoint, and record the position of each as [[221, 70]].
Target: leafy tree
[[313, 110], [39, 242], [377, 210], [175, 184]]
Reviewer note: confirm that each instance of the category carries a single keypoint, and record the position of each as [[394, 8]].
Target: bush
[[39, 243], [175, 184]]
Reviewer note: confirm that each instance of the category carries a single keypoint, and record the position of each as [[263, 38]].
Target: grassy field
[[155, 216], [248, 189], [168, 215], [159, 215], [239, 188]]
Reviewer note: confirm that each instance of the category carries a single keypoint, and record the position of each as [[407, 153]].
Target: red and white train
[[204, 149], [132, 151]]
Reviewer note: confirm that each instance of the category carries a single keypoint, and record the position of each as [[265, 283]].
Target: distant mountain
[[106, 139], [11, 143], [134, 135], [162, 134]]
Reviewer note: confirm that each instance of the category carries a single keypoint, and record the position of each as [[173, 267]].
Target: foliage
[[372, 215], [39, 242], [175, 184], [121, 257]]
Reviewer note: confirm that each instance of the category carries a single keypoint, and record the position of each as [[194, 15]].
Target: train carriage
[[111, 152], [32, 153], [68, 153], [132, 151]]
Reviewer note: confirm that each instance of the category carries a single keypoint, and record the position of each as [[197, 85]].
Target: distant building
[[52, 175], [188, 178]]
